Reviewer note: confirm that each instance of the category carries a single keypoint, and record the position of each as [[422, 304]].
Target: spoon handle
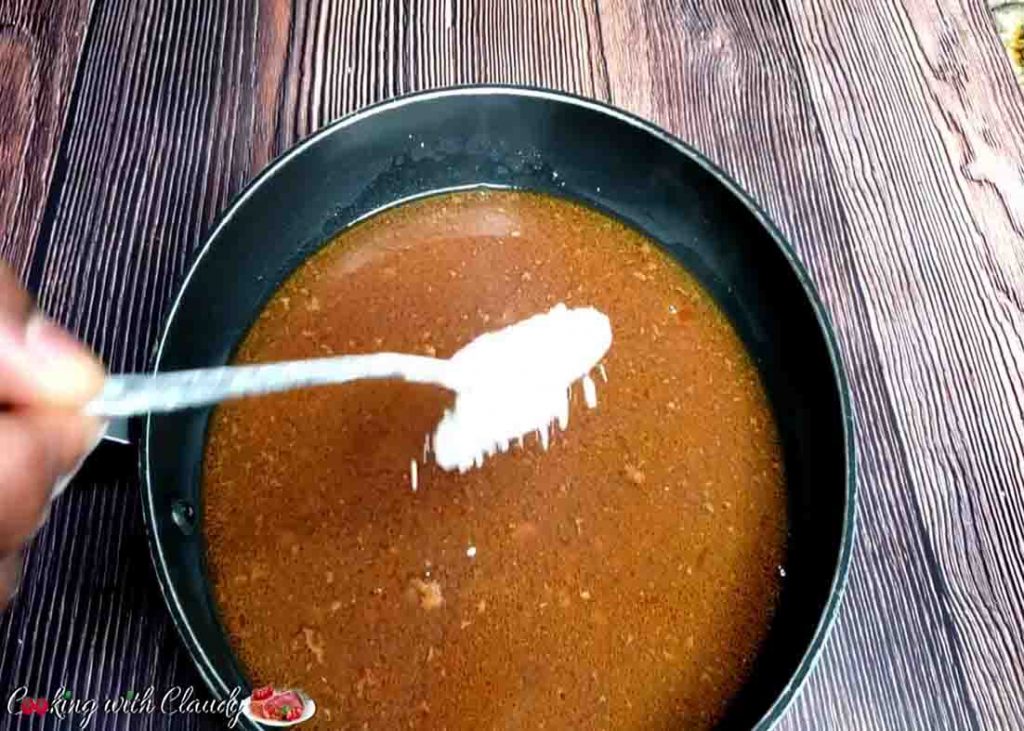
[[131, 394]]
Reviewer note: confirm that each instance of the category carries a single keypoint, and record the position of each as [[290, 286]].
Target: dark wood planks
[[89, 617], [40, 42], [884, 138], [348, 55], [927, 153]]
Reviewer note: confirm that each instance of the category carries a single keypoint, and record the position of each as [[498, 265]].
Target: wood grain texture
[[938, 258], [40, 43], [885, 138]]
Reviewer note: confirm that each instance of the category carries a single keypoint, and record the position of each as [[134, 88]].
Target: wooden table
[[885, 137]]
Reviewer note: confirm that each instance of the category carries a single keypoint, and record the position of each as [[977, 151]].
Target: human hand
[[45, 379]]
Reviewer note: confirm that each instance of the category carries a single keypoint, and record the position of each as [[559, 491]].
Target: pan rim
[[840, 573]]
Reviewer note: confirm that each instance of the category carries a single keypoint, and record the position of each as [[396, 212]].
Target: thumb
[[41, 364]]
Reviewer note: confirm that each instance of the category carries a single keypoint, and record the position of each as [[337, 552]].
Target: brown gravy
[[623, 579]]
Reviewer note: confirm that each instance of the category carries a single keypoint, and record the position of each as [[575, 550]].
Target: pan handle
[[117, 431]]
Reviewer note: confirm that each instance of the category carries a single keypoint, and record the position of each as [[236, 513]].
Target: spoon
[[508, 382]]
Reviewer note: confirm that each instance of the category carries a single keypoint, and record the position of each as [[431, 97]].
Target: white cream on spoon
[[514, 381]]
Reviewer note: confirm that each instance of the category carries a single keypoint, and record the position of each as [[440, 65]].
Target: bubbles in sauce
[[623, 579]]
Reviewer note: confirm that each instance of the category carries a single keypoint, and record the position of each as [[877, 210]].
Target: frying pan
[[556, 144]]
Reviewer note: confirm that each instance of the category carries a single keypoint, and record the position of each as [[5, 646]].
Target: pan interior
[[549, 144]]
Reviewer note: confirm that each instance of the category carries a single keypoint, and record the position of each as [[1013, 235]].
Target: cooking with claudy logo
[[81, 711]]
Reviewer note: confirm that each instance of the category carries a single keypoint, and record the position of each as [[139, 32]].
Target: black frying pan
[[513, 137]]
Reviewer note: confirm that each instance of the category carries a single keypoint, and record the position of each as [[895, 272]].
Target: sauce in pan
[[622, 579]]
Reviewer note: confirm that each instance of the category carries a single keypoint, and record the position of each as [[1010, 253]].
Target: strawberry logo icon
[[38, 706]]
